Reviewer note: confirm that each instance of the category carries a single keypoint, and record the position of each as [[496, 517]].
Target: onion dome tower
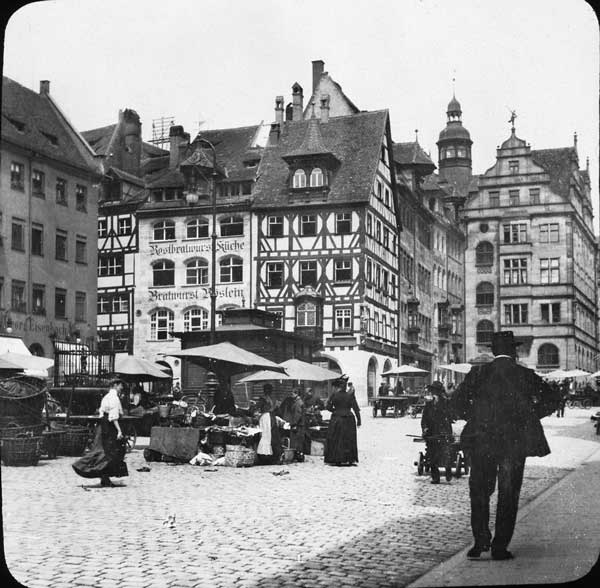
[[454, 148]]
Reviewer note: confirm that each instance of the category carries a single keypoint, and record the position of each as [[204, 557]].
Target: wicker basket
[[21, 451], [218, 450], [15, 430], [238, 456], [52, 442], [74, 442]]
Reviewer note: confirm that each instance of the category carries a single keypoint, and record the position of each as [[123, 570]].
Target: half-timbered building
[[327, 230], [126, 160]]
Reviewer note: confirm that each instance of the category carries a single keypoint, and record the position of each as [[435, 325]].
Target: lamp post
[[213, 267]]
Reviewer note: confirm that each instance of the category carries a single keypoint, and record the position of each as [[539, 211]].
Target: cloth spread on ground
[[180, 443]]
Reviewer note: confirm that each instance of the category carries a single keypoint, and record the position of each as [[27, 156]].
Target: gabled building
[[49, 181], [533, 254], [175, 228], [327, 228], [126, 160]]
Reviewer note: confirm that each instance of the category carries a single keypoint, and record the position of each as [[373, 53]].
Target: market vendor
[[224, 401], [269, 450], [292, 411]]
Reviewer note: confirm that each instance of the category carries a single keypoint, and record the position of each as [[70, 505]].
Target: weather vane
[[511, 120]]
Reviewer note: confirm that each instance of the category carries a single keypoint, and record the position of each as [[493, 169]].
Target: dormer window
[[316, 178], [299, 179]]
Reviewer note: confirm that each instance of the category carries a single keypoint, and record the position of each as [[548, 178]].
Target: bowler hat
[[503, 343]]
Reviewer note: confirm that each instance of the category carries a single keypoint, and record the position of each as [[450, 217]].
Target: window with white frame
[[515, 271], [299, 179], [308, 273], [515, 233], [197, 228], [110, 265], [231, 269], [120, 302], [196, 272], [275, 226], [306, 314], [515, 314], [102, 227], [343, 319], [124, 226], [308, 225], [163, 273], [164, 231], [232, 226], [549, 233], [550, 312], [195, 319], [343, 223], [316, 178], [549, 270], [274, 274], [342, 270], [162, 322], [103, 304]]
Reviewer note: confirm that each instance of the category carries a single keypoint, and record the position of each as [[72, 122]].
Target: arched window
[[162, 322], [484, 294], [163, 273], [484, 331], [195, 319], [197, 228], [299, 180], [484, 253], [548, 355], [232, 226], [164, 231], [231, 269], [306, 314], [316, 178], [196, 272]]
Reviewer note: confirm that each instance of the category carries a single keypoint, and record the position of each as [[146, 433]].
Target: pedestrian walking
[[502, 403], [106, 458], [563, 393], [341, 447], [436, 426]]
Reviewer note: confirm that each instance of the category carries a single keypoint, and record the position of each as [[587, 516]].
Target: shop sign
[[31, 325], [195, 294], [228, 246]]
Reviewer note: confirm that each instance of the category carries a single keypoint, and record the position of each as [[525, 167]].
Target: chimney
[[575, 139], [297, 101], [132, 131], [318, 68], [274, 133], [325, 108], [44, 87], [176, 135], [279, 109]]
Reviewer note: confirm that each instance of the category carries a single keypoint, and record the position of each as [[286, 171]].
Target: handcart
[[455, 462], [399, 404]]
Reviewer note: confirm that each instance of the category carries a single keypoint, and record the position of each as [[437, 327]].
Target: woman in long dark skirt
[[341, 445], [106, 458]]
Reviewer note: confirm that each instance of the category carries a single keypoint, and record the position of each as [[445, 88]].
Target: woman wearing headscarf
[[106, 458], [341, 445], [269, 447]]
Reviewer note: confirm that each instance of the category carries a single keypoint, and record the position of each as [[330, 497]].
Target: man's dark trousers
[[485, 468]]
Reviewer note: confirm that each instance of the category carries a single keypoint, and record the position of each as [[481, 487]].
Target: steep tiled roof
[[312, 143], [557, 163], [354, 140], [99, 139], [171, 178], [411, 153], [30, 120], [232, 147]]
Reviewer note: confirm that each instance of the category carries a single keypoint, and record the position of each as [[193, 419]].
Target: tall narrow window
[[18, 235], [308, 273], [38, 299], [37, 239], [18, 302], [494, 199], [17, 176], [81, 202], [80, 306], [534, 195], [513, 197], [484, 253], [81, 249], [102, 227], [550, 271], [274, 275], [316, 177], [60, 303], [38, 183], [484, 294], [343, 223], [299, 180], [306, 314], [125, 225], [162, 322], [61, 245], [515, 271], [195, 319], [343, 319], [484, 331]]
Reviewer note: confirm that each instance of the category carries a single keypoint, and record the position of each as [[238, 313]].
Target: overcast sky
[[224, 61]]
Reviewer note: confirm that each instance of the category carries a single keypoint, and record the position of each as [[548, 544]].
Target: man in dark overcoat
[[436, 426], [502, 403]]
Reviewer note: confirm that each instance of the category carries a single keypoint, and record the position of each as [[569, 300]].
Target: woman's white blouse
[[111, 404]]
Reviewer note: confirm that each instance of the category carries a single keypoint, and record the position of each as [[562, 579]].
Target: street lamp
[[192, 199]]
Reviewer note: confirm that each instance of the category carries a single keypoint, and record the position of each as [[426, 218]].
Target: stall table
[[399, 404]]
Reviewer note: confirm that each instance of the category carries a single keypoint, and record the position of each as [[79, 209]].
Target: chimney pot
[[176, 137], [318, 67], [44, 87], [279, 109], [274, 133]]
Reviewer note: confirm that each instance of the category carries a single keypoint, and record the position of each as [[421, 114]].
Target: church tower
[[454, 149]]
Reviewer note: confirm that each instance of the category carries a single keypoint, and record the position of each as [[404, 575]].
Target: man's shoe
[[502, 554], [476, 550], [435, 481]]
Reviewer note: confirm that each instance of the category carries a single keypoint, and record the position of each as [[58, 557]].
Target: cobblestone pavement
[[374, 525]]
